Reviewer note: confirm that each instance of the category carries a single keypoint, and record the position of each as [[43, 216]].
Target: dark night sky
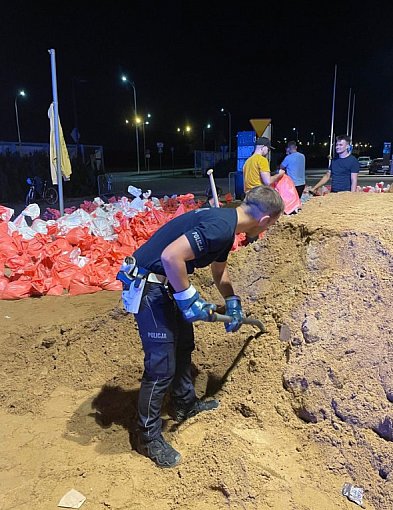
[[187, 59]]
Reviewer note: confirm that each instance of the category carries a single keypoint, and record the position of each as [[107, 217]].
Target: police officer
[[158, 291]]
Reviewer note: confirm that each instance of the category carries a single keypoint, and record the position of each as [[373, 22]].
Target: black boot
[[182, 413], [159, 451]]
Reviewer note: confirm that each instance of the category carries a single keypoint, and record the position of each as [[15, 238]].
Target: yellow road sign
[[260, 125]]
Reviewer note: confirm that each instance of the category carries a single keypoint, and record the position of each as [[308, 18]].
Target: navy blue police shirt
[[210, 232], [341, 170]]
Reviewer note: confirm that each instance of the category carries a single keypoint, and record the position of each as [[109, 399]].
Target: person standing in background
[[344, 168], [294, 164], [256, 169]]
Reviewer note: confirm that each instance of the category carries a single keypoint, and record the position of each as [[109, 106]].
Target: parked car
[[378, 167], [364, 161]]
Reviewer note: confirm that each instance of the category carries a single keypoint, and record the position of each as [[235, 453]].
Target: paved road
[[158, 186], [161, 186]]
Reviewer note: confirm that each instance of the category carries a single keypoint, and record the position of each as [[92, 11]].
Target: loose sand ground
[[300, 415]]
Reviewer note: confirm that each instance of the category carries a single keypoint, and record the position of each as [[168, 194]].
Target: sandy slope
[[299, 416]]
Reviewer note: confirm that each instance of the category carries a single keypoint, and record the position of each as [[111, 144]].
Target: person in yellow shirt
[[256, 169]]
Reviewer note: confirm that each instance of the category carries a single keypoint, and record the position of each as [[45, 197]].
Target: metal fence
[[203, 160], [89, 154]]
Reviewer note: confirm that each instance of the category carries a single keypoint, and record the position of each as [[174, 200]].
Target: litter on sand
[[354, 494], [73, 499]]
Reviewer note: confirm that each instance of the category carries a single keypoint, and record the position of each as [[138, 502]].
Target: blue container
[[244, 151], [245, 138], [239, 186]]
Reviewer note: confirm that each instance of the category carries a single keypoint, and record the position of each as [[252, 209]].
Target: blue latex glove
[[124, 274], [192, 306], [233, 308]]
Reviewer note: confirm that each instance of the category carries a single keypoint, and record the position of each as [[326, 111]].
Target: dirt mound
[[305, 407]]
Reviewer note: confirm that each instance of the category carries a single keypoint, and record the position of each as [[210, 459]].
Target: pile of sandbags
[[80, 252]]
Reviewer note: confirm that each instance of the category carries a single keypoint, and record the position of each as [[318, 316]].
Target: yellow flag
[[65, 163]]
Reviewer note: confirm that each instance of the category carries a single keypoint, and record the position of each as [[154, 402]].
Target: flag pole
[[353, 112], [349, 109], [333, 103], [56, 129]]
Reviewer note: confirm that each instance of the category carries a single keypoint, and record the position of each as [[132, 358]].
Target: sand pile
[[305, 407]]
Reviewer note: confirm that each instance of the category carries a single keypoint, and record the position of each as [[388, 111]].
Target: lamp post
[[126, 80], [226, 112], [208, 126], [145, 123], [23, 94], [313, 137]]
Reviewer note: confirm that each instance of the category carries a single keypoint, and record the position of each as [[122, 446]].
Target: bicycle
[[40, 188]]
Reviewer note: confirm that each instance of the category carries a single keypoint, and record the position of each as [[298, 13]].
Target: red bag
[[287, 190], [17, 289]]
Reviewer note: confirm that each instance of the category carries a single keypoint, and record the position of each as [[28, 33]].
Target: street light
[[208, 126], [313, 137], [126, 80], [297, 134], [186, 130], [23, 94], [226, 112]]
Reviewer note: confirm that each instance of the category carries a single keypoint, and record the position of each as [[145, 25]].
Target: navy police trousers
[[168, 341]]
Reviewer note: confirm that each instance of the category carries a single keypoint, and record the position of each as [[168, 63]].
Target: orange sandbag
[[42, 280], [29, 269], [10, 245], [239, 238], [287, 190], [7, 248], [5, 213], [41, 286], [160, 217], [98, 249], [17, 289], [125, 238], [76, 235], [108, 278], [4, 282], [3, 229], [57, 290], [60, 246], [18, 261], [179, 211], [80, 285], [63, 271], [117, 252], [52, 228], [114, 285], [36, 245]]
